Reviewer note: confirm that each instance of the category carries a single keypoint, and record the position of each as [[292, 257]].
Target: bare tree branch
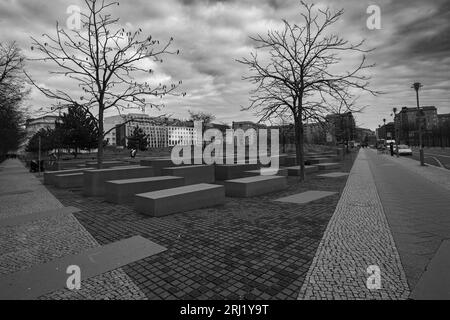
[[298, 76], [106, 62]]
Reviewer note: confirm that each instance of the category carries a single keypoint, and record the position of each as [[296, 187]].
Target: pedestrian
[[391, 147]]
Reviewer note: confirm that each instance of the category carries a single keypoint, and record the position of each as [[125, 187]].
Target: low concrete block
[[123, 191], [181, 199], [328, 166], [192, 174], [254, 186], [94, 180], [290, 161], [71, 180], [267, 171], [158, 164], [295, 171], [49, 176], [107, 164], [281, 159], [320, 160], [233, 171]]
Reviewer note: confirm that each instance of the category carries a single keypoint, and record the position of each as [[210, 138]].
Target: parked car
[[404, 150]]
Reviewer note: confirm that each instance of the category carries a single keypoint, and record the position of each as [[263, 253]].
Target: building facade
[[46, 122], [159, 134], [407, 123]]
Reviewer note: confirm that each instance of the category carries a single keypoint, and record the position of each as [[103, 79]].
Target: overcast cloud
[[412, 45]]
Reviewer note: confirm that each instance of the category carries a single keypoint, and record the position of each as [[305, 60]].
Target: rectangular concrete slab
[[181, 199], [21, 219], [123, 191], [94, 180], [281, 159], [295, 171], [320, 160], [254, 186], [290, 161], [233, 171], [434, 284], [192, 174], [71, 180], [305, 197], [49, 175], [107, 164], [267, 172], [328, 166], [333, 175], [158, 164], [49, 277]]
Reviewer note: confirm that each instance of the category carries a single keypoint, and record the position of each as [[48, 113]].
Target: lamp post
[[394, 110], [417, 86]]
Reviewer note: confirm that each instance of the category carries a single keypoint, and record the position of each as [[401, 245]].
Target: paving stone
[[305, 197], [357, 236]]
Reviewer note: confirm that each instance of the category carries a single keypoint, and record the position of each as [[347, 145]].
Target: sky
[[412, 45]]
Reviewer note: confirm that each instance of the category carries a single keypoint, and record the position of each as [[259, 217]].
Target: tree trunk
[[299, 146], [100, 139]]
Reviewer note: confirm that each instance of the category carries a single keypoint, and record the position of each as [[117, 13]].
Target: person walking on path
[[391, 147]]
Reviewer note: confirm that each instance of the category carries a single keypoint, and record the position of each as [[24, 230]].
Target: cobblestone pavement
[[416, 201], [357, 236], [251, 248], [36, 242]]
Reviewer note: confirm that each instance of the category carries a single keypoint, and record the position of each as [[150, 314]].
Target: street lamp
[[394, 110], [417, 86]]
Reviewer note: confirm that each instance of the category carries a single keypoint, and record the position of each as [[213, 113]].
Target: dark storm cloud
[[413, 45]]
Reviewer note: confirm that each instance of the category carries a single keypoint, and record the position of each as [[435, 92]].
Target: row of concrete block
[[177, 189]]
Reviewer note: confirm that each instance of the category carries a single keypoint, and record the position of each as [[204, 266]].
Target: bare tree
[[105, 61], [12, 94], [298, 74], [204, 117]]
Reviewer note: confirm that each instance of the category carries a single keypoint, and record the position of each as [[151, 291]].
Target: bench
[[254, 186], [328, 166], [71, 180], [164, 202], [192, 174], [233, 171], [268, 171], [94, 180], [294, 171], [49, 176], [123, 191]]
